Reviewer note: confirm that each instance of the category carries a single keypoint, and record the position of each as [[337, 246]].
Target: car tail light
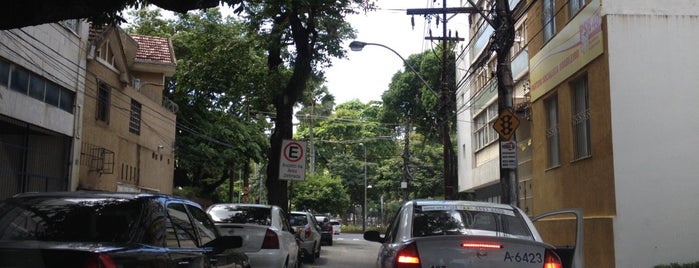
[[100, 260], [271, 240], [551, 260], [408, 256], [486, 245], [307, 234]]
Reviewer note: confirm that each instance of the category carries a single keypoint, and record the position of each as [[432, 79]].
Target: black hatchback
[[109, 230]]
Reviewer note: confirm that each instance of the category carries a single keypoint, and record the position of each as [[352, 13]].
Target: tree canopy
[[218, 85]]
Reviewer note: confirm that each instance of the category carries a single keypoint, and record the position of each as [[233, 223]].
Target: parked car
[[109, 230], [268, 238], [337, 227], [308, 232], [326, 229], [462, 233]]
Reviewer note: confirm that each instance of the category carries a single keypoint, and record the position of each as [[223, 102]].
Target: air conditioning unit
[[136, 83], [91, 52]]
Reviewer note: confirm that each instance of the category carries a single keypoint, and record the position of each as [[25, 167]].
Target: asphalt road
[[347, 251]]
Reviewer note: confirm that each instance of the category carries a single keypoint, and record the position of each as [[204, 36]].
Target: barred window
[[580, 119], [552, 132], [135, 119]]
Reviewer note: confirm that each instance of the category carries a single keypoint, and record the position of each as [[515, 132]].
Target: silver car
[[308, 231], [433, 233]]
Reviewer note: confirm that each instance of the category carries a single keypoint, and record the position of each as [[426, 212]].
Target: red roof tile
[[153, 49]]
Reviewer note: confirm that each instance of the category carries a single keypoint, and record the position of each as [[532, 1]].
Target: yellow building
[[128, 126], [608, 125], [607, 78]]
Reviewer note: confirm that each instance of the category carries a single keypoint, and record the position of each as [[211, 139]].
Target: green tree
[[413, 103], [300, 38], [342, 139], [220, 73], [319, 193]]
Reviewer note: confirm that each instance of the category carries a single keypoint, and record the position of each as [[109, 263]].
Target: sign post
[[292, 166]]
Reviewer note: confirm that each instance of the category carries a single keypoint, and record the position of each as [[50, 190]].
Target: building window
[[37, 84], [520, 38], [581, 119], [103, 99], [19, 80], [574, 6], [484, 133], [66, 100], [4, 73], [549, 19], [53, 93], [105, 53], [71, 24], [135, 120], [552, 132]]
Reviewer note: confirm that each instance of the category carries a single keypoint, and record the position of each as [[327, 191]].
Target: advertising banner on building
[[572, 48]]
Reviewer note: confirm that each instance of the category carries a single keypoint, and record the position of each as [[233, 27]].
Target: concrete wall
[[654, 92], [463, 128]]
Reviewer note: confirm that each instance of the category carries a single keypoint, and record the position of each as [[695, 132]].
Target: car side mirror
[[225, 242], [373, 236]]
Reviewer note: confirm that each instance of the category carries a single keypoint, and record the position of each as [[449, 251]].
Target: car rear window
[[334, 223], [298, 220], [458, 220], [69, 219], [241, 214]]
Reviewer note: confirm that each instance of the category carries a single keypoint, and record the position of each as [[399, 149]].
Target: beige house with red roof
[[128, 127]]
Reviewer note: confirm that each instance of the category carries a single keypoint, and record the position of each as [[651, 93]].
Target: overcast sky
[[365, 74]]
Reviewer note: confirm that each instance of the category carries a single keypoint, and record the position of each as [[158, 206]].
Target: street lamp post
[[365, 186]]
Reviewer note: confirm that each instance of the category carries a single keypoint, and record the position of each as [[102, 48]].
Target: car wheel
[[318, 252], [311, 257], [330, 242], [296, 263]]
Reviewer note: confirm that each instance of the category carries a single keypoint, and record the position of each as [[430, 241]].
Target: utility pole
[[406, 161], [446, 95], [507, 121], [311, 149]]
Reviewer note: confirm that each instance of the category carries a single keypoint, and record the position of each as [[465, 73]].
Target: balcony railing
[[170, 105]]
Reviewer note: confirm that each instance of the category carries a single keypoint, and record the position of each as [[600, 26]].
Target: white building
[[42, 74]]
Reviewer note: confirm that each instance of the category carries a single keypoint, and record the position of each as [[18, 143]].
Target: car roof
[[243, 205], [299, 212], [92, 194], [458, 202]]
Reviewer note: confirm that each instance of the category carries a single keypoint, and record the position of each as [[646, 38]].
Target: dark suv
[[97, 229], [326, 229]]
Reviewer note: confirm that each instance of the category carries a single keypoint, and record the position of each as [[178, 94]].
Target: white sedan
[[444, 234], [268, 238]]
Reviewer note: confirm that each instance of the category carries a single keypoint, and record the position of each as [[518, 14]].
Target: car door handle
[[182, 262]]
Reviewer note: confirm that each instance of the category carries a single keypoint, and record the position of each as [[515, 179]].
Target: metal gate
[[32, 159]]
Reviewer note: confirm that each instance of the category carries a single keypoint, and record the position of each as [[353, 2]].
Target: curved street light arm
[[358, 46]]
